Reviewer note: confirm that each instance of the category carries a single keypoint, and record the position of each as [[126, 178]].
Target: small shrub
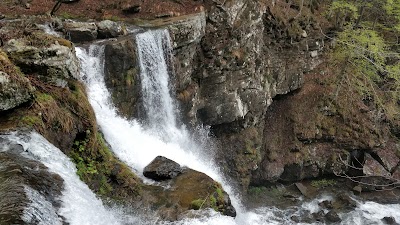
[[197, 204]]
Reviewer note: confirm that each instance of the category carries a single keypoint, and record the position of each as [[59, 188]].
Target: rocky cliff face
[[122, 75], [246, 56], [251, 54], [231, 62], [59, 109]]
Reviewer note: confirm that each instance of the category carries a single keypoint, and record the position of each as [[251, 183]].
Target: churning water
[[79, 205], [137, 144]]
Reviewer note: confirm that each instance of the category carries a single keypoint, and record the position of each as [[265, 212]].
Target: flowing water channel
[[79, 205]]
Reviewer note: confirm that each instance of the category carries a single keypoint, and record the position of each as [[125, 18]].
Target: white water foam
[[39, 210], [368, 213], [79, 205], [154, 80]]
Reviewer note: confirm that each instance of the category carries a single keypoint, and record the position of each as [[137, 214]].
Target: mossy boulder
[[15, 89], [314, 132], [190, 190], [61, 112], [49, 58], [193, 187]]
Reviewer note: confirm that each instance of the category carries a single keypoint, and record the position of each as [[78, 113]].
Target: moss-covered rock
[[242, 152], [15, 89], [61, 112], [50, 58], [122, 75], [317, 130], [189, 190]]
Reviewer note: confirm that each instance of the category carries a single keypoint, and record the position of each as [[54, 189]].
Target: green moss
[[105, 187], [257, 190], [215, 200], [322, 183], [129, 77], [43, 97], [197, 204], [213, 203], [97, 166], [30, 121]]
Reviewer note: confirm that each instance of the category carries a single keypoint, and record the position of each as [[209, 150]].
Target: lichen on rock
[[52, 59], [15, 89]]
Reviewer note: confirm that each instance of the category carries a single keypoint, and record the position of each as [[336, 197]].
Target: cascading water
[[79, 205], [154, 75], [137, 145]]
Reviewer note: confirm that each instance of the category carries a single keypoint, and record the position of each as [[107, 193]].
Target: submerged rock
[[344, 202], [332, 216], [389, 220], [162, 168]]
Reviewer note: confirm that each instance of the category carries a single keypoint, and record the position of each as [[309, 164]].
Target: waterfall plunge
[[137, 145], [131, 142]]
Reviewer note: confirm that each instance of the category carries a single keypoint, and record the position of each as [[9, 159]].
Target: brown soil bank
[[94, 9]]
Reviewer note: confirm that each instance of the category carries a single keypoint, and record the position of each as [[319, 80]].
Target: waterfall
[[79, 205], [137, 144], [133, 143], [153, 47]]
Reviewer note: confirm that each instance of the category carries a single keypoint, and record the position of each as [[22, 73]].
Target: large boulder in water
[[186, 190], [162, 168]]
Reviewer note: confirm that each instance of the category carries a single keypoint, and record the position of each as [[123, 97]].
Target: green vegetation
[[367, 49], [257, 190], [322, 183], [130, 77], [99, 168], [61, 113], [197, 204], [30, 121], [214, 201], [84, 165]]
